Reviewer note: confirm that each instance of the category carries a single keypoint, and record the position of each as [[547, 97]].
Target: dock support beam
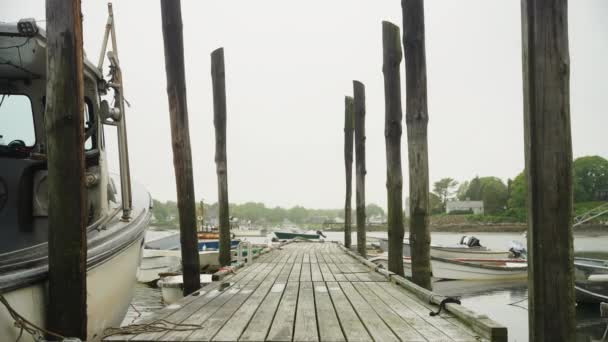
[[416, 119], [171, 14], [548, 149], [64, 121], [359, 110], [393, 115], [219, 121], [348, 161]]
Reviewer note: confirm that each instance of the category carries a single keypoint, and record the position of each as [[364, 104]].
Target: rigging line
[[27, 40]]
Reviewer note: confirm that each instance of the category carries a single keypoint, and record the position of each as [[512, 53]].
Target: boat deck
[[306, 291]]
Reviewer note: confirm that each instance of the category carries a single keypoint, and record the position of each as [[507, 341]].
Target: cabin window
[[16, 120], [89, 126]]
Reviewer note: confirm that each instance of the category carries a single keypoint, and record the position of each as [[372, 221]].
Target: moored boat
[[468, 269], [468, 248], [116, 221], [293, 235], [164, 256], [591, 280]]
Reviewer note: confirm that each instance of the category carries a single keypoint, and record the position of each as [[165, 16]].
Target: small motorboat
[[164, 256], [467, 268], [293, 235], [591, 280], [208, 235], [469, 247]]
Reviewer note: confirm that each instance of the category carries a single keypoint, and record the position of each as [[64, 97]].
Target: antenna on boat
[[117, 116]]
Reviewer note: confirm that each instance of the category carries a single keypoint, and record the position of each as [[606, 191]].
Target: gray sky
[[289, 65]]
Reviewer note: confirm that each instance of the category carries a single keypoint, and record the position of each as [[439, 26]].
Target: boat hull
[[448, 252], [467, 270], [289, 236], [155, 262], [108, 296]]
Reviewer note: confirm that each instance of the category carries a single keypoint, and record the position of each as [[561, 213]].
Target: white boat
[[591, 280], [172, 287], [248, 232], [468, 269], [461, 250], [155, 262], [117, 222]]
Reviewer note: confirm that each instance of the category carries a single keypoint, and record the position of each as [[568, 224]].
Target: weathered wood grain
[[416, 118], [348, 162], [64, 122], [548, 149], [391, 47], [361, 171], [171, 15], [218, 77]]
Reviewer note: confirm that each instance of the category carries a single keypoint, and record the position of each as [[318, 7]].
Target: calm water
[[504, 301]]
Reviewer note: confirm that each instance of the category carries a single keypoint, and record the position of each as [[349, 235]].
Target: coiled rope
[[157, 326], [23, 324]]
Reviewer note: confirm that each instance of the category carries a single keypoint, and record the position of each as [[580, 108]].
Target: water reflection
[[507, 302]]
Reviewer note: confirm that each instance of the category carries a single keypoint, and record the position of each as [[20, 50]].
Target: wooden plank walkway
[[306, 291]]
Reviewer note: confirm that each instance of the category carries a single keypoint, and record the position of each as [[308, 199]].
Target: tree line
[[166, 213], [590, 179], [506, 200]]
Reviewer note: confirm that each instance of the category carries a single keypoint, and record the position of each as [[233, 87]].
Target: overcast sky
[[289, 65]]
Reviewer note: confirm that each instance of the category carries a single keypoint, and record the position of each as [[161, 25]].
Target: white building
[[475, 206]]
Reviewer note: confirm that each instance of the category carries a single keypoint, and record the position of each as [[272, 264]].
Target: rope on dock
[[157, 326], [25, 325]]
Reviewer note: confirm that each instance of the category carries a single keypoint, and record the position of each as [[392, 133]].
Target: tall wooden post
[[416, 118], [391, 46], [359, 109], [219, 121], [171, 14], [548, 147], [64, 122], [348, 161]]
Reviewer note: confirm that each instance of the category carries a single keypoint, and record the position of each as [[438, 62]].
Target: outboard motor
[[517, 250], [470, 241], [321, 233]]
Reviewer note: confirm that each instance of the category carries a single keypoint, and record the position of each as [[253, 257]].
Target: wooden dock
[[311, 291]]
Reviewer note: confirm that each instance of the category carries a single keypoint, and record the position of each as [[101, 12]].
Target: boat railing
[[241, 248]]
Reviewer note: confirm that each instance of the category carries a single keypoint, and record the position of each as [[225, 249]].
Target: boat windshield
[[16, 120]]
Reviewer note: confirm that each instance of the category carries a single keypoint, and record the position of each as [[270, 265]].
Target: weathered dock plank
[[306, 292]]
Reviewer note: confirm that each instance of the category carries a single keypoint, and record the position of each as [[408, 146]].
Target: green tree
[[461, 193], [373, 209], [435, 204], [493, 194], [473, 192], [590, 175], [444, 188], [519, 192]]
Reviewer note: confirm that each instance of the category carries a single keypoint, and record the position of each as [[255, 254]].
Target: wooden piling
[[548, 147], [171, 15], [359, 111], [391, 47], [417, 118], [348, 161], [64, 122], [219, 121]]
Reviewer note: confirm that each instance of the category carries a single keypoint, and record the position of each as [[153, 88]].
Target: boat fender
[[443, 303]]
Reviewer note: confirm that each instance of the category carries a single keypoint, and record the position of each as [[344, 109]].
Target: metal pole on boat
[[171, 15], [219, 121], [391, 46], [548, 149], [416, 119], [64, 122], [359, 110], [348, 161]]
